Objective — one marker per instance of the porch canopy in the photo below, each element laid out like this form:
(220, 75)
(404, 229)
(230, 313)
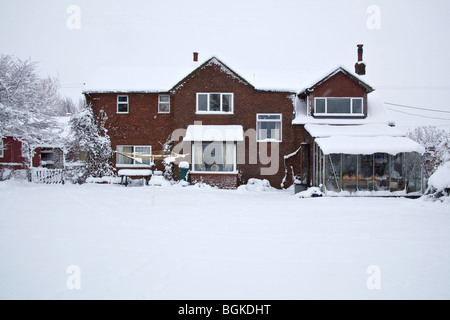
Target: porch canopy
(362, 139)
(220, 133)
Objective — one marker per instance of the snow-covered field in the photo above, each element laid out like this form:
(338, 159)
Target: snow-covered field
(203, 243)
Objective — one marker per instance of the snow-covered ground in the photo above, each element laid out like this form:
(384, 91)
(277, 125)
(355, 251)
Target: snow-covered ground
(203, 243)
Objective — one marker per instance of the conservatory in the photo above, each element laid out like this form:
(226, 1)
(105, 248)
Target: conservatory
(388, 164)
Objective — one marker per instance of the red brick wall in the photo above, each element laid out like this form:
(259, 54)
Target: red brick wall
(248, 102)
(144, 126)
(36, 158)
(12, 153)
(340, 86)
(223, 181)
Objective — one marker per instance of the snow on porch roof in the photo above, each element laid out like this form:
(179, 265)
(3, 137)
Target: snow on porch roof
(214, 133)
(363, 130)
(368, 145)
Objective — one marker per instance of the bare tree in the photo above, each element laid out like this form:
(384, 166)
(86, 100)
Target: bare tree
(26, 101)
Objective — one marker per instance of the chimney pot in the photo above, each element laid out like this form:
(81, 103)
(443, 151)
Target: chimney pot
(360, 66)
(195, 56)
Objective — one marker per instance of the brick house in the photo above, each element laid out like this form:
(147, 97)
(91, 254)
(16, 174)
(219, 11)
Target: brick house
(217, 98)
(232, 131)
(17, 154)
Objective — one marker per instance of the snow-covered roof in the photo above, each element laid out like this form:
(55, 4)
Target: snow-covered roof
(362, 139)
(164, 79)
(363, 130)
(368, 145)
(214, 133)
(376, 113)
(156, 79)
(339, 69)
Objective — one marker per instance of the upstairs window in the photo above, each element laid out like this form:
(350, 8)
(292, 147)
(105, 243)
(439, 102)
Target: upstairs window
(268, 127)
(164, 104)
(122, 104)
(219, 103)
(1, 148)
(338, 107)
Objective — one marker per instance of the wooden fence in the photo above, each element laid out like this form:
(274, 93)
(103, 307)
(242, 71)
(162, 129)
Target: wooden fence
(49, 176)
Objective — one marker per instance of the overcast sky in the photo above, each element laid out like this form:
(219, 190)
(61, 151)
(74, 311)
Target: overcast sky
(285, 42)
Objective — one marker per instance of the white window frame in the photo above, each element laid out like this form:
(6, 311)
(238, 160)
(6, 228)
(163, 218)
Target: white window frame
(269, 120)
(134, 164)
(234, 171)
(351, 114)
(2, 154)
(127, 103)
(163, 103)
(221, 100)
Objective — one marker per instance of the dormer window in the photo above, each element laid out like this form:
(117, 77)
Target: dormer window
(338, 107)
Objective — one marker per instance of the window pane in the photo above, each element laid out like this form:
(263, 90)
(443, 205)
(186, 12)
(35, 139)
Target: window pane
(122, 159)
(202, 102)
(381, 171)
(357, 106)
(214, 102)
(164, 98)
(122, 107)
(333, 172)
(349, 172)
(213, 156)
(397, 181)
(320, 105)
(338, 105)
(122, 99)
(164, 107)
(365, 173)
(143, 155)
(269, 130)
(226, 103)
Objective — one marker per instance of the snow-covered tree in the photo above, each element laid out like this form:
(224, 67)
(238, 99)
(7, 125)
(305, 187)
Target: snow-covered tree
(89, 136)
(437, 147)
(27, 101)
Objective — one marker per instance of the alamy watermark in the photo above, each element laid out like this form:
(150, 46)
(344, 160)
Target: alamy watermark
(73, 21)
(374, 280)
(373, 22)
(73, 281)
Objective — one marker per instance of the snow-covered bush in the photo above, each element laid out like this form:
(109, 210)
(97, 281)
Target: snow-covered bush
(437, 147)
(439, 184)
(89, 136)
(168, 168)
(310, 193)
(256, 185)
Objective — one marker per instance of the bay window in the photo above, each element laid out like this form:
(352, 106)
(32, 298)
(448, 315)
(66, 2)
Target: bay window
(214, 157)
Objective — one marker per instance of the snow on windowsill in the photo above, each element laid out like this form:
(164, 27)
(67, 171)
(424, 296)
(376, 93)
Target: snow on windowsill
(214, 172)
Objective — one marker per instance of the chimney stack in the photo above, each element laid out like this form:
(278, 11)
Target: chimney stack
(195, 56)
(360, 66)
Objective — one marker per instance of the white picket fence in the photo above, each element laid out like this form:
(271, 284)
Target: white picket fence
(49, 176)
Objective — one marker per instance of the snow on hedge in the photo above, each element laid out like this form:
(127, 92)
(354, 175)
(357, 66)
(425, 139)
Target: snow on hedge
(256, 185)
(440, 179)
(439, 184)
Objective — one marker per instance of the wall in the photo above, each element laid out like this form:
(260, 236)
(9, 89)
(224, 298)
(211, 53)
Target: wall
(12, 154)
(144, 126)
